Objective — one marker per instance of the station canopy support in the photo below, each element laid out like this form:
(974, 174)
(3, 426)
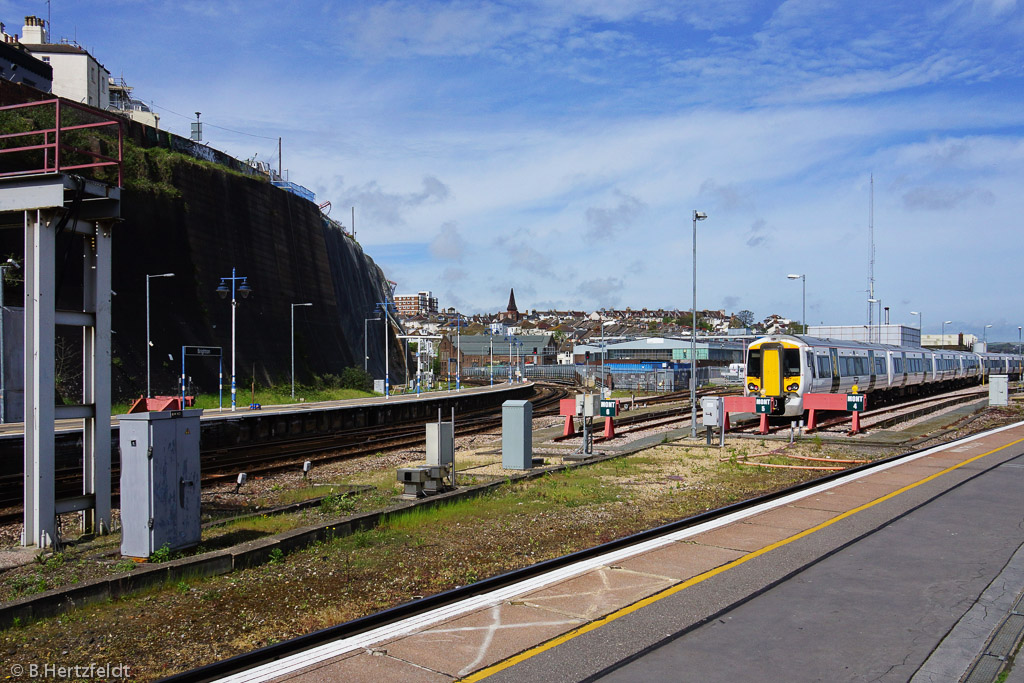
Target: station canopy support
(48, 206)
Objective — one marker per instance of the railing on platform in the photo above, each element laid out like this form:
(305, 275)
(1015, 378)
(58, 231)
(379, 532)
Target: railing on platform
(57, 153)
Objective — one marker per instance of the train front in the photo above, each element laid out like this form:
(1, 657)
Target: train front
(774, 371)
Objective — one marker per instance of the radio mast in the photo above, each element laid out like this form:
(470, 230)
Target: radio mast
(871, 240)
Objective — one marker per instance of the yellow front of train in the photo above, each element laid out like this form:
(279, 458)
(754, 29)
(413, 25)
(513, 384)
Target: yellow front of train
(773, 371)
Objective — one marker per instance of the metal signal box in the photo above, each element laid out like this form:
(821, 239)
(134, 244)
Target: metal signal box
(998, 390)
(440, 443)
(714, 411)
(589, 404)
(159, 481)
(517, 435)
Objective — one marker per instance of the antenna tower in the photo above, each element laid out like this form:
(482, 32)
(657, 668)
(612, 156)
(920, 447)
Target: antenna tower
(871, 239)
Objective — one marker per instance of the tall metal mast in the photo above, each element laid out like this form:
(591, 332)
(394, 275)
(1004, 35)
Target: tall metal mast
(871, 239)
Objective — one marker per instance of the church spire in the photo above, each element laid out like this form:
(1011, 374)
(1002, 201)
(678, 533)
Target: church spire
(512, 301)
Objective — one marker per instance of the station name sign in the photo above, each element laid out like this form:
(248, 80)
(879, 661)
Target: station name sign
(213, 351)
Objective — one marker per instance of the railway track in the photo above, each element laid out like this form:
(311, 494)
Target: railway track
(223, 464)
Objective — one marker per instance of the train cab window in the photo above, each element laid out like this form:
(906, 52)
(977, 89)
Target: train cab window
(754, 363)
(791, 362)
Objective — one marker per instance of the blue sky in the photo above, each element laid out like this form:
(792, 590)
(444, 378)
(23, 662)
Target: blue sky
(559, 147)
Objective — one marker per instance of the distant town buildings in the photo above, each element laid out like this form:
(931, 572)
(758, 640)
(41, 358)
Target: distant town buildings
(421, 303)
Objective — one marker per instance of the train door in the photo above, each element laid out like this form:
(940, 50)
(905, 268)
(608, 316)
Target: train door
(833, 354)
(771, 369)
(871, 370)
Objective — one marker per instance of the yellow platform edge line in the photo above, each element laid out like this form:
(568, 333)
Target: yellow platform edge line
(699, 578)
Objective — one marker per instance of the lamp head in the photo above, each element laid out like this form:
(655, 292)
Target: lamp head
(914, 313)
(699, 215)
(947, 322)
(793, 276)
(222, 290)
(244, 289)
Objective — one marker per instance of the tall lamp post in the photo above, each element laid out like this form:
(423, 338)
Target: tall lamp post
(984, 336)
(509, 338)
(602, 358)
(803, 277)
(1018, 339)
(490, 338)
(366, 352)
(920, 326)
(942, 337)
(149, 342)
(244, 289)
(697, 216)
(11, 263)
(293, 345)
(384, 306)
(458, 351)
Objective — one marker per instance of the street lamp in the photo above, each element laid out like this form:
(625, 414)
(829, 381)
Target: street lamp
(223, 290)
(697, 216)
(11, 263)
(1018, 339)
(149, 342)
(293, 346)
(458, 352)
(804, 314)
(490, 338)
(878, 325)
(383, 307)
(984, 336)
(942, 336)
(920, 326)
(509, 338)
(602, 358)
(366, 352)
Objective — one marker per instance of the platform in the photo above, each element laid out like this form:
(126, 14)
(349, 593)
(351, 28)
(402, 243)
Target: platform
(901, 571)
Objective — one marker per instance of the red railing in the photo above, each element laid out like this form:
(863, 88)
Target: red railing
(55, 151)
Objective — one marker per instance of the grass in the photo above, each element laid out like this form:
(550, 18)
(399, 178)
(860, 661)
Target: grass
(265, 397)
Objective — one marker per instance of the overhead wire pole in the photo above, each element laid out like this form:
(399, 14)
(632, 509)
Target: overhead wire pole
(244, 290)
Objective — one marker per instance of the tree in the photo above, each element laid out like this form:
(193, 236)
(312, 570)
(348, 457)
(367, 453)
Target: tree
(745, 318)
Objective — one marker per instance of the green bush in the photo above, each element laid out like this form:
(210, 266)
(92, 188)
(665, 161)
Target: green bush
(356, 378)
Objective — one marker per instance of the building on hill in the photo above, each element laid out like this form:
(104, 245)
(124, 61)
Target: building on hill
(421, 303)
(19, 66)
(77, 75)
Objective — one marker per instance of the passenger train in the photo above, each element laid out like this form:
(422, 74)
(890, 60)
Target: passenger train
(789, 366)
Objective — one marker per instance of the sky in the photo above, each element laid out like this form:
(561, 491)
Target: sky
(560, 147)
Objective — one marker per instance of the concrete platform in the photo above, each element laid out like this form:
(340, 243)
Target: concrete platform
(855, 580)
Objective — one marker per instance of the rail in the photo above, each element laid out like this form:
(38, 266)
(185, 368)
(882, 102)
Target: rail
(58, 154)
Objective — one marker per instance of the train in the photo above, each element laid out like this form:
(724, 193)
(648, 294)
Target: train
(788, 366)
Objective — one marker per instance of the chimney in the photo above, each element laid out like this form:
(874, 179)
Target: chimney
(34, 32)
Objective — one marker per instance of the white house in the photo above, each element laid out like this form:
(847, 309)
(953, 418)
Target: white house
(77, 75)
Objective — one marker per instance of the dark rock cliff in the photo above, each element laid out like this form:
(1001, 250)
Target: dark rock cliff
(213, 221)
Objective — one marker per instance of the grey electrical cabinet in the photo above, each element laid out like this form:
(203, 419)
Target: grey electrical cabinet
(440, 443)
(517, 435)
(998, 390)
(159, 481)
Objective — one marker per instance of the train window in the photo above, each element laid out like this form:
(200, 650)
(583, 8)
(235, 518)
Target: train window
(824, 366)
(810, 363)
(754, 363)
(791, 362)
(879, 366)
(862, 366)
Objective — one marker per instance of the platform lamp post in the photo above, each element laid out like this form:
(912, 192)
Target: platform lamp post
(293, 345)
(697, 216)
(223, 290)
(602, 358)
(149, 342)
(366, 352)
(383, 306)
(10, 263)
(458, 352)
(490, 338)
(920, 326)
(509, 338)
(942, 336)
(1019, 328)
(984, 337)
(803, 277)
